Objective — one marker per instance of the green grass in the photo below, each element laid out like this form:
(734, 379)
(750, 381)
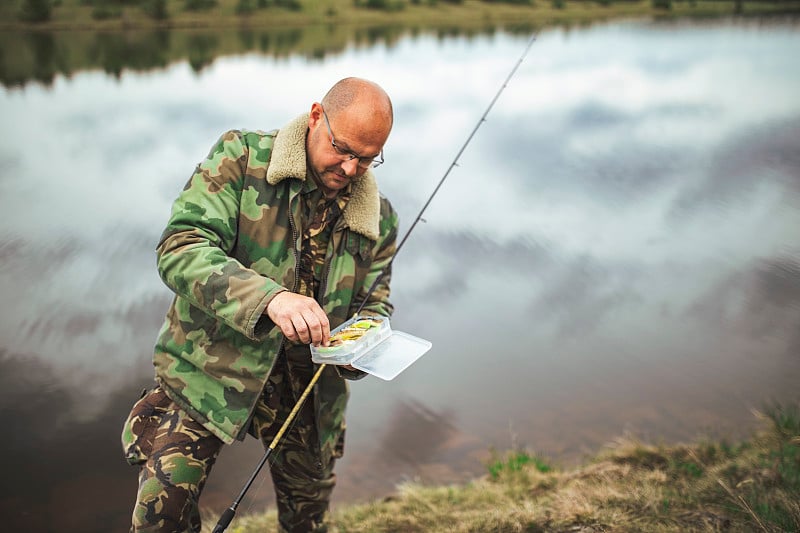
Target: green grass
(753, 485)
(516, 462)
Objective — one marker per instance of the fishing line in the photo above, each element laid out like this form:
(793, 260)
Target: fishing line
(230, 512)
(453, 164)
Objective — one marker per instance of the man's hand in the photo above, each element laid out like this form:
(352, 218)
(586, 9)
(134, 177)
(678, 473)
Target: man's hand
(300, 318)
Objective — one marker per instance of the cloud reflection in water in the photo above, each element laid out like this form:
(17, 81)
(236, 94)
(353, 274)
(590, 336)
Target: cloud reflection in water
(617, 246)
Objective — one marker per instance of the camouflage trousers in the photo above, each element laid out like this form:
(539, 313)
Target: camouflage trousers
(176, 455)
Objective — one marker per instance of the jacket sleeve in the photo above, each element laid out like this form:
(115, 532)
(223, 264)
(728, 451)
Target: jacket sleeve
(193, 251)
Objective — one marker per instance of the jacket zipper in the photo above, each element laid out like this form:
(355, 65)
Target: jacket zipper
(323, 286)
(296, 254)
(294, 248)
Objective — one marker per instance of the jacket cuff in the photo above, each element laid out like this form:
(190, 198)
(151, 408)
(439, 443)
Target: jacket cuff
(264, 323)
(351, 375)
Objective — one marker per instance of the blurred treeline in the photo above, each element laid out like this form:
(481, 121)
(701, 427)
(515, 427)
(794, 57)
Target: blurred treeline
(41, 39)
(168, 13)
(39, 56)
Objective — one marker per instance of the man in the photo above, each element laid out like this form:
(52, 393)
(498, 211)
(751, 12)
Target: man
(274, 241)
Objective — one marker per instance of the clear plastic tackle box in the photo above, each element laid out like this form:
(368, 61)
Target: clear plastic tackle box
(368, 343)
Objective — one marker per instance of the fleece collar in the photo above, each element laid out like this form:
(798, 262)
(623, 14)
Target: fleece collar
(362, 213)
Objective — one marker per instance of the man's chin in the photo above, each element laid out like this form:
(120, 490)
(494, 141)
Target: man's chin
(336, 182)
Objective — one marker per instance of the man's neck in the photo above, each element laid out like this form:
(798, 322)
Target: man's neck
(327, 193)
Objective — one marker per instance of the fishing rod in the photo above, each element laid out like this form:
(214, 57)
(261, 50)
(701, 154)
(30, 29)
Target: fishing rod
(230, 512)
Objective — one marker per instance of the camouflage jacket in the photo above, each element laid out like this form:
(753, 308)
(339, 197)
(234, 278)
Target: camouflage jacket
(231, 244)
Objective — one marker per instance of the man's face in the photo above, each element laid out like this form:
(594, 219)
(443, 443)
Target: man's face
(354, 133)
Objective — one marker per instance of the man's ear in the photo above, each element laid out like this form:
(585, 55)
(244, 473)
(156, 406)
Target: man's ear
(315, 115)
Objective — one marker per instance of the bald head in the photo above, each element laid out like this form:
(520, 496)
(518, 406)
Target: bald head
(347, 132)
(360, 95)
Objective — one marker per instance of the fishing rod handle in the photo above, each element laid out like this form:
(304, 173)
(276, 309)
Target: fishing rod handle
(226, 517)
(297, 407)
(224, 520)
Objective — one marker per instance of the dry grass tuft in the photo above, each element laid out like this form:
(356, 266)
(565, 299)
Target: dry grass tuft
(704, 487)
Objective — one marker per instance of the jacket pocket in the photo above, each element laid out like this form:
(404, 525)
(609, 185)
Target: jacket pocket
(359, 247)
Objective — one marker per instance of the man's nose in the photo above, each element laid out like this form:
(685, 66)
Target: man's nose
(350, 167)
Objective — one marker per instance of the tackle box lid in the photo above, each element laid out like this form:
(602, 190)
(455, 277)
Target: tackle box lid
(393, 355)
(369, 344)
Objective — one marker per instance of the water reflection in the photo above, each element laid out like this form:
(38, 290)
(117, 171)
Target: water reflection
(115, 52)
(617, 249)
(59, 470)
(40, 56)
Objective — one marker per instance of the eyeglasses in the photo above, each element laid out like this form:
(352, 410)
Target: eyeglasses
(347, 155)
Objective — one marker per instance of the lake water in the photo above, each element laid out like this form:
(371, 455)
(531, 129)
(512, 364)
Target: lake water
(617, 252)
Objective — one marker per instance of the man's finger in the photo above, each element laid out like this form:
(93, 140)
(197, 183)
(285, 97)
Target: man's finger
(326, 325)
(314, 327)
(326, 331)
(301, 328)
(318, 324)
(287, 328)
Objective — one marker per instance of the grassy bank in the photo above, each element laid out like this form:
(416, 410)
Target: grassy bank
(707, 486)
(138, 14)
